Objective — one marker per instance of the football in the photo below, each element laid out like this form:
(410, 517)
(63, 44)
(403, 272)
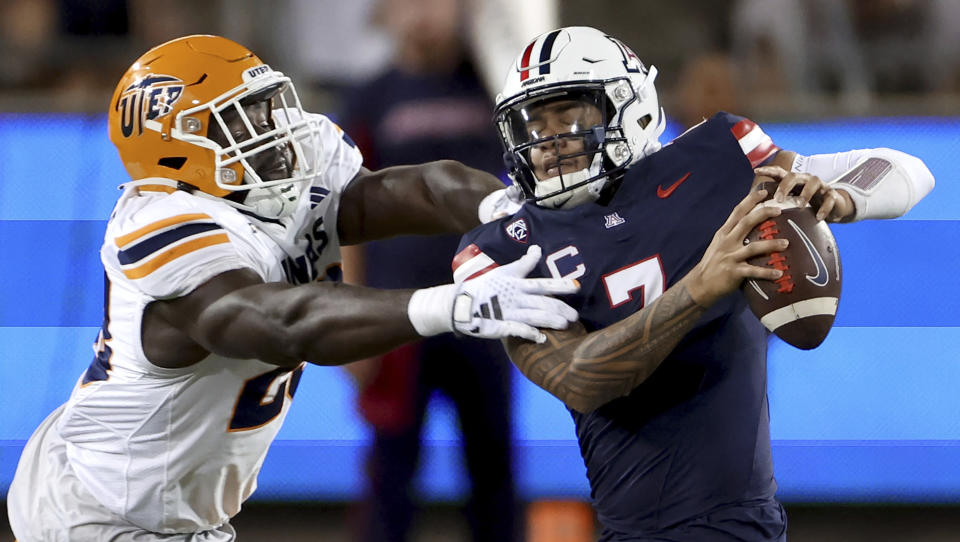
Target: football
(800, 306)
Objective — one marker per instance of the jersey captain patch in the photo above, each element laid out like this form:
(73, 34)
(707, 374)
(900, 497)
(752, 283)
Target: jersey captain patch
(150, 247)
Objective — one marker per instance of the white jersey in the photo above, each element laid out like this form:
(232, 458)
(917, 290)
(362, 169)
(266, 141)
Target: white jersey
(179, 450)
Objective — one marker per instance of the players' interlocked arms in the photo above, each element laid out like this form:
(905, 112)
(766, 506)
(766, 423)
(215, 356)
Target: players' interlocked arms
(221, 260)
(665, 372)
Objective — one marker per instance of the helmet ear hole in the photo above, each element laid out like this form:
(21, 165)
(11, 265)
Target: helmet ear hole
(644, 120)
(172, 162)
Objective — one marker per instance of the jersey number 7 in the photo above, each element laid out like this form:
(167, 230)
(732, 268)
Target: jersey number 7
(646, 275)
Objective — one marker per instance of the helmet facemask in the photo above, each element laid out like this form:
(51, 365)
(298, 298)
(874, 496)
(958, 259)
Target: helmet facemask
(264, 145)
(557, 142)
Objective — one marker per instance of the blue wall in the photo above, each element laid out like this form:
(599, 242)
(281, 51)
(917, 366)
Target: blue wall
(872, 415)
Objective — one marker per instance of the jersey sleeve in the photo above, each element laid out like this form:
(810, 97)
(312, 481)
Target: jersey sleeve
(340, 159)
(756, 145)
(168, 251)
(483, 249)
(471, 262)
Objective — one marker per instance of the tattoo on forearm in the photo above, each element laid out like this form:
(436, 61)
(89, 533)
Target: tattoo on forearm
(588, 370)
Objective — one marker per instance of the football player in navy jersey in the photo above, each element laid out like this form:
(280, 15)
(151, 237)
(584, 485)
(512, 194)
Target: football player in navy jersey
(665, 374)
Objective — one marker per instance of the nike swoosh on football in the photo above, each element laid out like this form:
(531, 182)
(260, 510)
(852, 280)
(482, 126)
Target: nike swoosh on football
(822, 276)
(664, 194)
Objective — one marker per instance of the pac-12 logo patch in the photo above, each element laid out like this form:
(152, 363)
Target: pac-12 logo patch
(517, 230)
(149, 98)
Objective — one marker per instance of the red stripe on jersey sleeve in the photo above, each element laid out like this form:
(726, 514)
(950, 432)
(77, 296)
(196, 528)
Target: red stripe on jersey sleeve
(742, 128)
(490, 267)
(464, 255)
(762, 152)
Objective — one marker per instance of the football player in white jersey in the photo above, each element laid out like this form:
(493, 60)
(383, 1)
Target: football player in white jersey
(221, 259)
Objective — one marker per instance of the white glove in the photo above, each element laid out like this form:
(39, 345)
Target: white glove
(497, 304)
(500, 203)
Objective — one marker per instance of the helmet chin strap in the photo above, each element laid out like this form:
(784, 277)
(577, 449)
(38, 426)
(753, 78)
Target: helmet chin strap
(275, 201)
(576, 196)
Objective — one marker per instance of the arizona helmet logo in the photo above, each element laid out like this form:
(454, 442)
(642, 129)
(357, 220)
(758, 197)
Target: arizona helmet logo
(630, 60)
(517, 230)
(147, 99)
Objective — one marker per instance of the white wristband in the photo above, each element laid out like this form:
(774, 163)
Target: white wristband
(431, 309)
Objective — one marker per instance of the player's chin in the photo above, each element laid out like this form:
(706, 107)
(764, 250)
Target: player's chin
(564, 168)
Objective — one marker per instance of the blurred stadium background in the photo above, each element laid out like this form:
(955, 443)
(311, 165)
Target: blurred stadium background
(866, 428)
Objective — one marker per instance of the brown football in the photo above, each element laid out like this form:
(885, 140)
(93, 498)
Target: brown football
(800, 306)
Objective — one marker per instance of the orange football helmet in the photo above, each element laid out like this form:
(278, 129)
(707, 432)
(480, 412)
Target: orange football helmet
(163, 108)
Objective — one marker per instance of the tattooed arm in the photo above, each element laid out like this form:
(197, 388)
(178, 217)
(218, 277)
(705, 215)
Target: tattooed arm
(588, 370)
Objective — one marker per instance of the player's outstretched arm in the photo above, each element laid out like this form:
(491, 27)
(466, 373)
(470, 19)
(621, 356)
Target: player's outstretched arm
(237, 315)
(435, 197)
(588, 370)
(853, 185)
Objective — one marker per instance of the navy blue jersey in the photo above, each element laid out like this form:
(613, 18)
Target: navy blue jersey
(694, 437)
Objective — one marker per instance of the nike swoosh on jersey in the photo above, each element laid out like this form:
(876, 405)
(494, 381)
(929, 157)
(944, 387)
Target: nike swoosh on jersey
(665, 193)
(822, 276)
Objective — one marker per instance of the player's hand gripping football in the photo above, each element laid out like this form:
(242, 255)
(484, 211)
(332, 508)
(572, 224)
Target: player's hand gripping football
(830, 204)
(724, 264)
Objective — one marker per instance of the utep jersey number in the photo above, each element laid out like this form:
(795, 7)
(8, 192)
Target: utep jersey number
(260, 400)
(99, 368)
(646, 275)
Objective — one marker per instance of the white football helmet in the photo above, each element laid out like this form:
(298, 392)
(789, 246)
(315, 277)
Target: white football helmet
(578, 107)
